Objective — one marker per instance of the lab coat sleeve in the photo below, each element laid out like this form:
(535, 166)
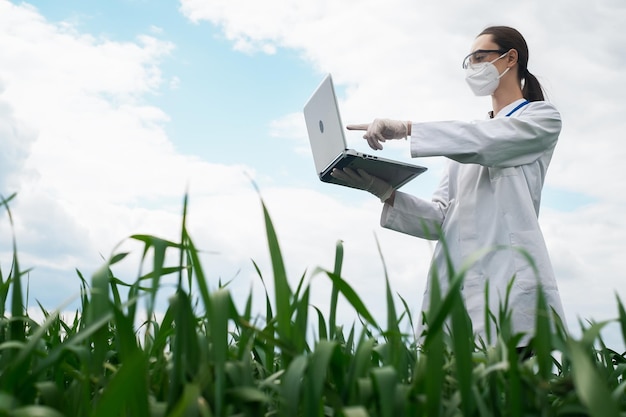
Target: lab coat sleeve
(501, 142)
(415, 216)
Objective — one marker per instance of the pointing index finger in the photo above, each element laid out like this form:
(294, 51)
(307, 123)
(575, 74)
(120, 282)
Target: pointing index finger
(362, 126)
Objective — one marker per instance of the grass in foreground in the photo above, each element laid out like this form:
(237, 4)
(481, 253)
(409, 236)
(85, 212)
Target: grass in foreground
(209, 357)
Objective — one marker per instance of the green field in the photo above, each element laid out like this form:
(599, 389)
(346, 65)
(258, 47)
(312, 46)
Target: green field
(207, 356)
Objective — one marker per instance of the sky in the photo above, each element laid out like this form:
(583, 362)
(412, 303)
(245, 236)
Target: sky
(111, 112)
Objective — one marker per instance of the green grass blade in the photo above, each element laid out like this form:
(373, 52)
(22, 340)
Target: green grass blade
(221, 308)
(351, 296)
(334, 297)
(185, 352)
(444, 307)
(245, 336)
(591, 389)
(5, 285)
(543, 336)
(159, 247)
(269, 346)
(4, 293)
(317, 369)
(126, 340)
(434, 351)
(322, 330)
(592, 333)
(188, 403)
(17, 329)
(201, 281)
(35, 339)
(281, 285)
(99, 307)
(396, 350)
(488, 314)
(622, 317)
(162, 333)
(35, 411)
(250, 396)
(354, 411)
(127, 390)
(359, 368)
(385, 382)
(291, 386)
(514, 400)
(407, 312)
(299, 333)
(463, 345)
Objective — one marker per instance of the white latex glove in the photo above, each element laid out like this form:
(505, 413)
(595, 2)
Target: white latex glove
(381, 130)
(363, 181)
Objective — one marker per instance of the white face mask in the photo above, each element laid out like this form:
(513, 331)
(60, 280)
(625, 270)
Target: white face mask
(484, 78)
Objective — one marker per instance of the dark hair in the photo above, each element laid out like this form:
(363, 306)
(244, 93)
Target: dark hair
(508, 38)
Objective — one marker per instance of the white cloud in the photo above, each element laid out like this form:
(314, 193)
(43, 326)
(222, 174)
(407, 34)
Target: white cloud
(15, 141)
(90, 161)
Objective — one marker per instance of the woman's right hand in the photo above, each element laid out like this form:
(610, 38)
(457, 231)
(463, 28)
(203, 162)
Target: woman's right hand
(381, 130)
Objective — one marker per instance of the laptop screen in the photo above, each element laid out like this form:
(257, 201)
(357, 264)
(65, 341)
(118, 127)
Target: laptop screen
(324, 126)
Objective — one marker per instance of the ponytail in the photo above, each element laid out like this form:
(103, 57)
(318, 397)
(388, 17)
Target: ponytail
(532, 90)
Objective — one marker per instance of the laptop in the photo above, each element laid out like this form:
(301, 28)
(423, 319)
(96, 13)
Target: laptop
(328, 143)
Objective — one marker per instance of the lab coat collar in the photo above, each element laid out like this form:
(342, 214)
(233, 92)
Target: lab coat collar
(506, 109)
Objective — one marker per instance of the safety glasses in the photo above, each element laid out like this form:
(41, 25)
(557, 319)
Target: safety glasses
(479, 56)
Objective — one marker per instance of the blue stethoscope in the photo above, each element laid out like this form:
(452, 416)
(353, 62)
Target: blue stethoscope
(519, 106)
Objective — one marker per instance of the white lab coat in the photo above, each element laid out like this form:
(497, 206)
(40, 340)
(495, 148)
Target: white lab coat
(489, 196)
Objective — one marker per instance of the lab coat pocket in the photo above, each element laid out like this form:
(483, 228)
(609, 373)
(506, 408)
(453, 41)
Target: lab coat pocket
(531, 244)
(474, 287)
(497, 173)
(473, 291)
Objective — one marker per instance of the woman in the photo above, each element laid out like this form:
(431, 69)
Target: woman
(490, 194)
